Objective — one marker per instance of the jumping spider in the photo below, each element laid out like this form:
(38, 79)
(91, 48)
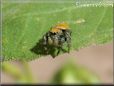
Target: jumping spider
(57, 36)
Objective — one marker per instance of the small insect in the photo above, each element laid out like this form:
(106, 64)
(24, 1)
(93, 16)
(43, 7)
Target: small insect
(57, 36)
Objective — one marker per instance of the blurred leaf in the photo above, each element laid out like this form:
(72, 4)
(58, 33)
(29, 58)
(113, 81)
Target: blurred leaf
(24, 24)
(12, 70)
(71, 74)
(16, 73)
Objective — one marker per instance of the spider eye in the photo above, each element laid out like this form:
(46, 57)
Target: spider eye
(63, 30)
(54, 33)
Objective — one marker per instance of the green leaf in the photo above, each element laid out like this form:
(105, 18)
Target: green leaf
(24, 24)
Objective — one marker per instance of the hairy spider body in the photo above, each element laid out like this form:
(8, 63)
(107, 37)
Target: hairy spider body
(57, 36)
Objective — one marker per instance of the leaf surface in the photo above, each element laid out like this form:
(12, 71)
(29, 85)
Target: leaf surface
(24, 24)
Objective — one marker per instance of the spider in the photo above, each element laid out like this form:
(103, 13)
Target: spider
(57, 36)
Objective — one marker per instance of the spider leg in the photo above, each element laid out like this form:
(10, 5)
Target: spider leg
(68, 39)
(69, 46)
(58, 51)
(60, 48)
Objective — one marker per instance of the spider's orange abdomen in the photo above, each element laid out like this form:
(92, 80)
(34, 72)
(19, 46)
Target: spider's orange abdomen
(62, 26)
(58, 27)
